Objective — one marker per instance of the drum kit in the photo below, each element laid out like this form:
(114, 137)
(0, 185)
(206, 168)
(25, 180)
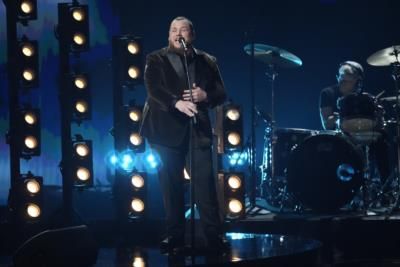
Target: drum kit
(329, 171)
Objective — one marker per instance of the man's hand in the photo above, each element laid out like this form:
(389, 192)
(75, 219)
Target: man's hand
(199, 95)
(186, 107)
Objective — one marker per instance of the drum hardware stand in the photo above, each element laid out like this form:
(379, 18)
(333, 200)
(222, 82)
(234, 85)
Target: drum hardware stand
(396, 77)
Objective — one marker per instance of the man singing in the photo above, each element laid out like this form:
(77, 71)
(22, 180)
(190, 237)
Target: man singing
(167, 115)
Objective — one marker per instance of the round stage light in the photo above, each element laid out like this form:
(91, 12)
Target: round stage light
(138, 262)
(32, 186)
(135, 139)
(234, 182)
(81, 106)
(33, 210)
(28, 50)
(82, 150)
(135, 115)
(234, 138)
(31, 142)
(28, 74)
(83, 174)
(26, 7)
(137, 181)
(30, 118)
(235, 206)
(133, 47)
(133, 72)
(137, 205)
(78, 14)
(80, 82)
(233, 114)
(79, 38)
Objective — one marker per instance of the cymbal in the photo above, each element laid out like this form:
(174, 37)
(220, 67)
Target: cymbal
(274, 56)
(385, 57)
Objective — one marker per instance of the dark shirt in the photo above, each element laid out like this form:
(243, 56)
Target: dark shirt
(329, 97)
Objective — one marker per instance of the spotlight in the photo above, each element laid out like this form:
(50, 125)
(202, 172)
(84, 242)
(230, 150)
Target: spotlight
(28, 63)
(232, 125)
(137, 205)
(33, 210)
(128, 58)
(127, 133)
(82, 162)
(234, 182)
(26, 10)
(234, 200)
(235, 206)
(238, 158)
(26, 197)
(81, 98)
(73, 26)
(29, 132)
(137, 181)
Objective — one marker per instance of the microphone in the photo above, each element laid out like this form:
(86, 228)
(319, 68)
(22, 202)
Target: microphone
(183, 43)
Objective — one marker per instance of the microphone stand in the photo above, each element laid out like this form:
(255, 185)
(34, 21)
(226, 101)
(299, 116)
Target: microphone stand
(193, 121)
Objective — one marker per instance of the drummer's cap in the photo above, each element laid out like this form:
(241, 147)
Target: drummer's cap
(350, 68)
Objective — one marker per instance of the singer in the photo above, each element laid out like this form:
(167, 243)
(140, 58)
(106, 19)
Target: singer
(166, 117)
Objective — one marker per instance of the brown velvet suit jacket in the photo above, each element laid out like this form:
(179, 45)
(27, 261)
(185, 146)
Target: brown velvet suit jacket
(165, 81)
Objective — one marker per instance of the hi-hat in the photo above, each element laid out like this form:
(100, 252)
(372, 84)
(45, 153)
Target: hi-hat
(385, 57)
(274, 56)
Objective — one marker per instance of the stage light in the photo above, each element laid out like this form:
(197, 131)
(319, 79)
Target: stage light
(186, 174)
(233, 195)
(234, 181)
(237, 158)
(137, 181)
(33, 210)
(27, 49)
(78, 14)
(79, 39)
(81, 98)
(26, 10)
(233, 114)
(235, 206)
(28, 63)
(73, 26)
(138, 262)
(82, 150)
(232, 125)
(25, 198)
(80, 81)
(29, 132)
(135, 139)
(234, 139)
(82, 162)
(135, 115)
(137, 205)
(133, 47)
(32, 186)
(128, 58)
(83, 174)
(133, 72)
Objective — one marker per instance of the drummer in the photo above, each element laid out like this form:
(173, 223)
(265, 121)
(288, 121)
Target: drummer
(350, 77)
(350, 80)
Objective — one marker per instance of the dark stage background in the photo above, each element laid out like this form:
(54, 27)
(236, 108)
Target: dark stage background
(322, 33)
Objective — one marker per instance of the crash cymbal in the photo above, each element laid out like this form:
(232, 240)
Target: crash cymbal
(274, 56)
(385, 57)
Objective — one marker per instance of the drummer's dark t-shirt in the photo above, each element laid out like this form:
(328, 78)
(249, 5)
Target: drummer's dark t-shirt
(329, 96)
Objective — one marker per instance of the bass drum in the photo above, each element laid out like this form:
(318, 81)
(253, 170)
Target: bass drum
(324, 172)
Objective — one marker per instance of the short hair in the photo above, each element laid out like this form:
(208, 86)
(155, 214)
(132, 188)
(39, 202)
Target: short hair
(351, 68)
(184, 18)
